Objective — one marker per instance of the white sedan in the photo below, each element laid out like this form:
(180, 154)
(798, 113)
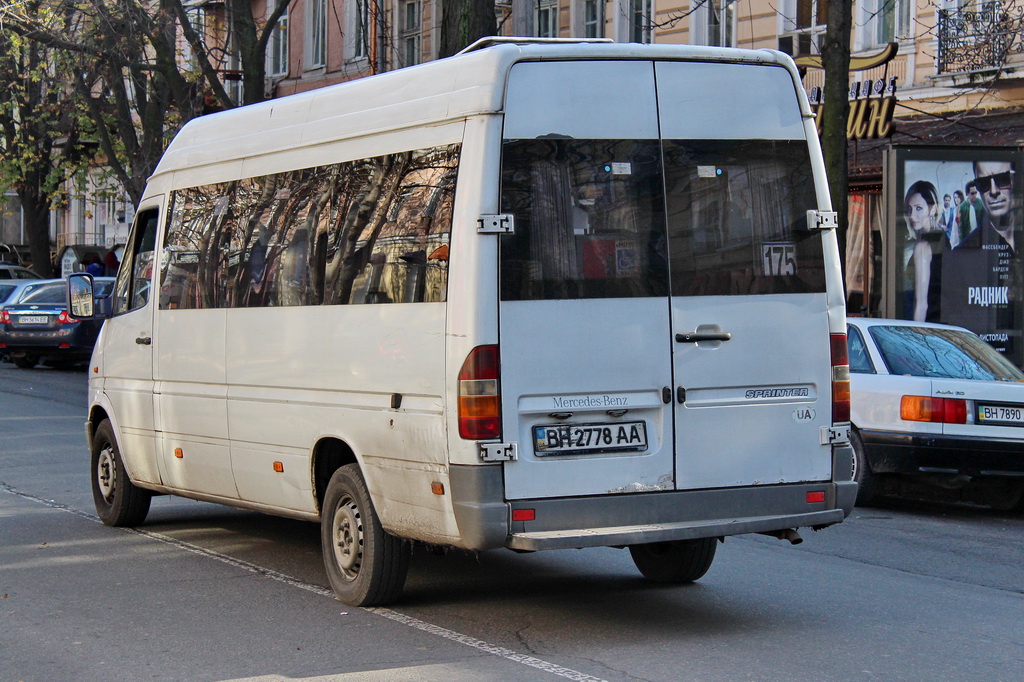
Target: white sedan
(934, 408)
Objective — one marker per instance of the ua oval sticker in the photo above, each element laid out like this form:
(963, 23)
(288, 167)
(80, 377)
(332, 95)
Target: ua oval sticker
(803, 414)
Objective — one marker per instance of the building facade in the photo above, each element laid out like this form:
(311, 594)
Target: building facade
(947, 96)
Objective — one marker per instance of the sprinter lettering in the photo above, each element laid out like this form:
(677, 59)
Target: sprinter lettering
(778, 393)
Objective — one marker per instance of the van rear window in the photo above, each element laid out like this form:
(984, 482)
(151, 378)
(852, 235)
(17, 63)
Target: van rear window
(737, 218)
(624, 218)
(589, 219)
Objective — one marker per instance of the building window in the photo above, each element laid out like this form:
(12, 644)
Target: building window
(197, 19)
(546, 19)
(593, 18)
(891, 20)
(360, 32)
(803, 25)
(233, 84)
(277, 50)
(811, 13)
(713, 22)
(640, 19)
(316, 33)
(409, 39)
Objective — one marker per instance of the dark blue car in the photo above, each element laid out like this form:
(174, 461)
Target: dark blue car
(38, 328)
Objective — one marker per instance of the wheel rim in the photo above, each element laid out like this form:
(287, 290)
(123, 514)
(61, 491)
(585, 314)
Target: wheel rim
(347, 531)
(106, 473)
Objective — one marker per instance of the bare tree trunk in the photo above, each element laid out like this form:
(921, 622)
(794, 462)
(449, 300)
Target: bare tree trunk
(835, 57)
(463, 22)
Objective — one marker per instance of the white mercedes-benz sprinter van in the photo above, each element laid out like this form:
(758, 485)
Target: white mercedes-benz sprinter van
(533, 296)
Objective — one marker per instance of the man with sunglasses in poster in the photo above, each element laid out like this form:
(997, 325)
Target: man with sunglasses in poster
(982, 275)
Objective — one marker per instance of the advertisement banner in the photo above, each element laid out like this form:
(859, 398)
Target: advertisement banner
(957, 239)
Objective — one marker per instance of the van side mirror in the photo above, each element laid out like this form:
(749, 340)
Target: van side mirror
(82, 301)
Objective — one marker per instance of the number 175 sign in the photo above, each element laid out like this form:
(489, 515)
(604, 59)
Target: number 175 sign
(779, 258)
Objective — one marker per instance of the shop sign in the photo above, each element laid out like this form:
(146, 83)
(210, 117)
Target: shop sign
(872, 104)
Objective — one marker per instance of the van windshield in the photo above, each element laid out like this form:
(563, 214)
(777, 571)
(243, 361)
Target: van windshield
(621, 218)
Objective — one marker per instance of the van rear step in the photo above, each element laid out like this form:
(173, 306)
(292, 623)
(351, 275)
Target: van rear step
(614, 536)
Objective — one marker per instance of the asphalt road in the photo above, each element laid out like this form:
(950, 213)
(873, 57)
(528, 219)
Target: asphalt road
(904, 591)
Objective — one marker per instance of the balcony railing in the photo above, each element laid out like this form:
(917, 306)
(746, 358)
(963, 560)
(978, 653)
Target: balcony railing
(79, 238)
(982, 37)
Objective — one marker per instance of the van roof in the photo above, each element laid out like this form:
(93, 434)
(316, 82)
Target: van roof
(472, 82)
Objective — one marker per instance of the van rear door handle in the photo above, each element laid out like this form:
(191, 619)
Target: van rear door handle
(144, 340)
(695, 337)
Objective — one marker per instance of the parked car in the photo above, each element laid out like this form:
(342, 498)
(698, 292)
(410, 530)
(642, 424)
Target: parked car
(13, 289)
(934, 409)
(11, 271)
(38, 328)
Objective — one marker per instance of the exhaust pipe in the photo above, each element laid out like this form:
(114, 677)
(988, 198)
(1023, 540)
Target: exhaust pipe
(785, 534)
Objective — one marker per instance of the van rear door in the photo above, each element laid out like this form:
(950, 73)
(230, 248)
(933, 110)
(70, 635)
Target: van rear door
(584, 314)
(749, 325)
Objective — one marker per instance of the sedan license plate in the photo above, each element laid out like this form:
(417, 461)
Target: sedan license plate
(572, 439)
(1008, 415)
(33, 319)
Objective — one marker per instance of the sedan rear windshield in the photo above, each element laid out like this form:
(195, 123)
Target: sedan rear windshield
(55, 292)
(942, 353)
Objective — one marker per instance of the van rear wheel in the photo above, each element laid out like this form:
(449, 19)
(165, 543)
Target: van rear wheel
(119, 502)
(366, 565)
(675, 562)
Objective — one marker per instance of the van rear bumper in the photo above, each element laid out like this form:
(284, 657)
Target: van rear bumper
(665, 532)
(484, 517)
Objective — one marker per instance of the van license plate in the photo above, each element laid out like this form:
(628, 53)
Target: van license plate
(571, 439)
(1001, 414)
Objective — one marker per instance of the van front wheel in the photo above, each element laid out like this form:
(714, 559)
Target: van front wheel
(119, 502)
(674, 562)
(366, 565)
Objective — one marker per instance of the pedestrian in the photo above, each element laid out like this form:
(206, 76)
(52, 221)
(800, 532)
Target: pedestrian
(111, 263)
(94, 266)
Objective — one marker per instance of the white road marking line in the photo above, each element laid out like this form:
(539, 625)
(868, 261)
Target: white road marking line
(390, 614)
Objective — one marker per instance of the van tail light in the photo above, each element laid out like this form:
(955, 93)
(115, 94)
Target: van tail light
(921, 408)
(64, 318)
(479, 395)
(840, 379)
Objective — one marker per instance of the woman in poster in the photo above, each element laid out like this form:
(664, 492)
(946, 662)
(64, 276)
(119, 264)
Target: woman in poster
(924, 232)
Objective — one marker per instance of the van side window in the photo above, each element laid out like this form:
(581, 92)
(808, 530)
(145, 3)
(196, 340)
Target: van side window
(132, 287)
(589, 219)
(388, 240)
(366, 231)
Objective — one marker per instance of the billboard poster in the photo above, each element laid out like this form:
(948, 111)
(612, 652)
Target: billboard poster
(956, 241)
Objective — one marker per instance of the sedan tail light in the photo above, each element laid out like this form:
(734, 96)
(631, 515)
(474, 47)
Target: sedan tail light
(840, 378)
(64, 318)
(5, 317)
(479, 396)
(920, 408)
